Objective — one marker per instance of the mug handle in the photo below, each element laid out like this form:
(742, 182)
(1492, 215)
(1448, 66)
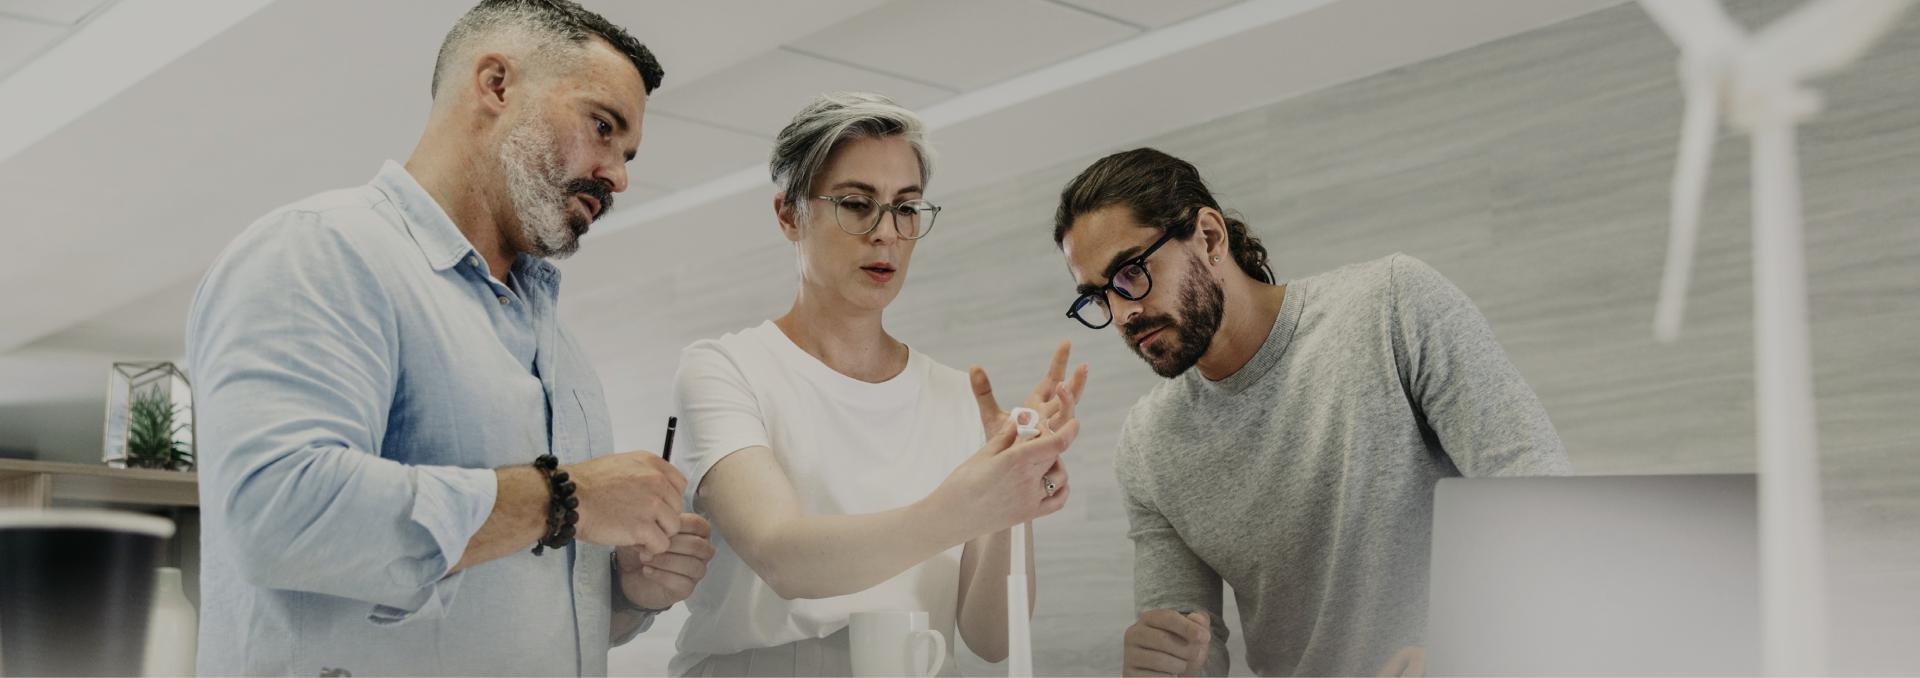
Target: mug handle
(939, 650)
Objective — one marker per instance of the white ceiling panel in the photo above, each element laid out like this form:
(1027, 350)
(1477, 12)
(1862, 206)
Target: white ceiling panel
(964, 45)
(127, 329)
(759, 96)
(1150, 13)
(56, 11)
(677, 153)
(697, 39)
(21, 41)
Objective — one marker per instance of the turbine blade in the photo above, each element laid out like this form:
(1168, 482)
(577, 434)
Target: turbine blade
(1697, 134)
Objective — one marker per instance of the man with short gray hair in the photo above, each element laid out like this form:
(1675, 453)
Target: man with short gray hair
(406, 460)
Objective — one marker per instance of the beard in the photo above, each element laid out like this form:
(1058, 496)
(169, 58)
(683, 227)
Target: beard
(1202, 304)
(540, 192)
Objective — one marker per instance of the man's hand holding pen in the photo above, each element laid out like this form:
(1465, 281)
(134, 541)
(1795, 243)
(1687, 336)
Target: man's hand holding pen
(629, 499)
(657, 579)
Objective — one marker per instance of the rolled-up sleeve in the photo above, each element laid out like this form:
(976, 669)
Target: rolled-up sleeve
(292, 346)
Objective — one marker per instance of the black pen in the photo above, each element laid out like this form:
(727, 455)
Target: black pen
(666, 449)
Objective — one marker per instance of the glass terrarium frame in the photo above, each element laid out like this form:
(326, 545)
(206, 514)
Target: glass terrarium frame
(125, 382)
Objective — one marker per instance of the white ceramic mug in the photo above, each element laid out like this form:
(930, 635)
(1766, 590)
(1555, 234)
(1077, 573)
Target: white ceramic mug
(896, 643)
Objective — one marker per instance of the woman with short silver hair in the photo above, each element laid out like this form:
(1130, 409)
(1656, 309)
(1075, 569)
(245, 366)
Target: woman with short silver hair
(842, 470)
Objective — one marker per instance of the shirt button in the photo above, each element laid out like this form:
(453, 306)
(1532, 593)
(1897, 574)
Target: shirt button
(473, 261)
(503, 300)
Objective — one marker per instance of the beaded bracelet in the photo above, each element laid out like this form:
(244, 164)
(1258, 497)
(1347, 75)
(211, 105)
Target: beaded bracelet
(562, 514)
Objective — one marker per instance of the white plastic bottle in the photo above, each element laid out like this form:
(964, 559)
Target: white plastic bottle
(173, 632)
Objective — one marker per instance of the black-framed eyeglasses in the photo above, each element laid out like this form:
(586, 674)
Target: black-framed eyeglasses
(859, 214)
(1131, 281)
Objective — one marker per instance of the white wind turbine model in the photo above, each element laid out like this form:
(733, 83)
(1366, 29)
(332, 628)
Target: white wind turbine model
(1757, 80)
(1019, 632)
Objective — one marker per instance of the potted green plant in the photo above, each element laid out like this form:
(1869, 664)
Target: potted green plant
(152, 424)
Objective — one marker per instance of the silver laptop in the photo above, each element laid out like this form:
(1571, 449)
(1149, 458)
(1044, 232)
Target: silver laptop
(1595, 575)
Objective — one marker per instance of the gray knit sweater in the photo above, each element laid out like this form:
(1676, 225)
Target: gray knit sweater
(1305, 480)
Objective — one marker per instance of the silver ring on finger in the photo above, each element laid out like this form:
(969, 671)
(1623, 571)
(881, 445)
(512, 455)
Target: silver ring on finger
(1050, 486)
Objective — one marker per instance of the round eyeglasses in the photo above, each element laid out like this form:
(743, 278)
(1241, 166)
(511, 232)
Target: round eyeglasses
(859, 214)
(1130, 280)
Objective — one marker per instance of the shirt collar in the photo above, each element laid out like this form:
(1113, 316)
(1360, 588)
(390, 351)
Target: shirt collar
(439, 239)
(436, 234)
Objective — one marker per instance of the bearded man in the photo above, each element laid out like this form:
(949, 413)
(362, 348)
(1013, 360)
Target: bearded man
(378, 370)
(1293, 449)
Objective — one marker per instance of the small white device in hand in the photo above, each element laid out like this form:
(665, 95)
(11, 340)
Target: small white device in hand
(1026, 423)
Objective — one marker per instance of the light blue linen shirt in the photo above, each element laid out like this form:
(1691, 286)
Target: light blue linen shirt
(357, 373)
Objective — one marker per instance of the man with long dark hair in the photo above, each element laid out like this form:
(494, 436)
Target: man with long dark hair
(1293, 450)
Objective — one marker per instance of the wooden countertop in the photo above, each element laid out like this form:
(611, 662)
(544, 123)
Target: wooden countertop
(38, 483)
